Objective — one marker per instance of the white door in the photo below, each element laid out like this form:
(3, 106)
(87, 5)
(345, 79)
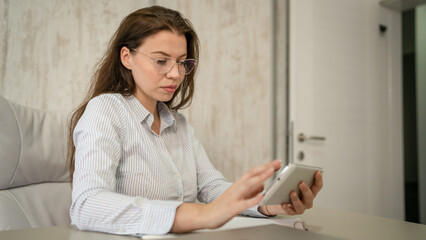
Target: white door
(345, 86)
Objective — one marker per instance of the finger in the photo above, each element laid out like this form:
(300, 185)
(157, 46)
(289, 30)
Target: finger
(258, 180)
(251, 202)
(288, 208)
(316, 187)
(297, 204)
(275, 210)
(248, 187)
(255, 171)
(307, 195)
(276, 164)
(260, 188)
(255, 190)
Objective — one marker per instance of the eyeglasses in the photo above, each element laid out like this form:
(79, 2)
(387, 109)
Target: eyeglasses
(164, 65)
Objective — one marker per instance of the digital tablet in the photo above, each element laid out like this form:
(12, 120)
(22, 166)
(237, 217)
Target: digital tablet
(287, 181)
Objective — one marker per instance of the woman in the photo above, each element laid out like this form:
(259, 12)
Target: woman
(136, 165)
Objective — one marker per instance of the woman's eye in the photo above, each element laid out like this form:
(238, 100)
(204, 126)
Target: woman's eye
(162, 61)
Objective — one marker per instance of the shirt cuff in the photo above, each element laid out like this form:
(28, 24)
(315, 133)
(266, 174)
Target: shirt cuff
(161, 217)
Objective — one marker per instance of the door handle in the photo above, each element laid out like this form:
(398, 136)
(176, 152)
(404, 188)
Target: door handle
(302, 138)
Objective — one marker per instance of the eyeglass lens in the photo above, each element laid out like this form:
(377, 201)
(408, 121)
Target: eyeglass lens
(164, 66)
(185, 67)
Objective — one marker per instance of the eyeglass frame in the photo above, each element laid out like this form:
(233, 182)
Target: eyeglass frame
(154, 60)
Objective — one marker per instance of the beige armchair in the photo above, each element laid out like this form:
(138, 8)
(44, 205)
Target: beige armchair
(34, 182)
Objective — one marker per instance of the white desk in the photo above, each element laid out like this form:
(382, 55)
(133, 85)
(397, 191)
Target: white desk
(336, 223)
(351, 225)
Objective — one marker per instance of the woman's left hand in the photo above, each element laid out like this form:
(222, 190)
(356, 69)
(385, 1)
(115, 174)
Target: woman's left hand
(297, 205)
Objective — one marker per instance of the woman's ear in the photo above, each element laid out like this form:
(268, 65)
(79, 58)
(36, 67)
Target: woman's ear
(126, 57)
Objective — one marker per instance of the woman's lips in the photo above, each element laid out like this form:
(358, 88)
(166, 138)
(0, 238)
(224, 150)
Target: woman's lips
(170, 89)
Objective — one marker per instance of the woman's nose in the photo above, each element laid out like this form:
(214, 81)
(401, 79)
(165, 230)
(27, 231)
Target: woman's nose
(174, 71)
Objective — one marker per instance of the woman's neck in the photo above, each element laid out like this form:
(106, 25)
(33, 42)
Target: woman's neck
(149, 104)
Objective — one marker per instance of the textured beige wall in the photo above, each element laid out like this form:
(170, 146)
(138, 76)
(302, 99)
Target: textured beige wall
(48, 49)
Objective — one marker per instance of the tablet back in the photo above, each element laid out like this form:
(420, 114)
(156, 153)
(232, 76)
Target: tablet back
(287, 181)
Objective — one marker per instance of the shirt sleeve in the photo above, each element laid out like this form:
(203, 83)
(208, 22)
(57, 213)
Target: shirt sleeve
(211, 182)
(95, 204)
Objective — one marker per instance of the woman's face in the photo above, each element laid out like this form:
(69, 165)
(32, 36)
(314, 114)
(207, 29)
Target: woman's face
(147, 65)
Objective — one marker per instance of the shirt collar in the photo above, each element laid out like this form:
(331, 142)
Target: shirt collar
(144, 116)
(167, 116)
(138, 109)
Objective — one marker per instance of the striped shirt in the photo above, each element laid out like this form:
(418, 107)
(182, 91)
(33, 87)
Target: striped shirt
(130, 180)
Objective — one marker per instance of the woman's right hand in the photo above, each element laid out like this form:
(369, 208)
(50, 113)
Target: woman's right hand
(245, 193)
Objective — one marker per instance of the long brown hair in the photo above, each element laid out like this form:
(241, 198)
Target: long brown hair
(112, 77)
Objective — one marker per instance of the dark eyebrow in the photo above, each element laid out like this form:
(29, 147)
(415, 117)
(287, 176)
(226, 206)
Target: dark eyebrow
(167, 55)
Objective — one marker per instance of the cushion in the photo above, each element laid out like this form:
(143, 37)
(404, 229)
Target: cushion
(34, 180)
(36, 205)
(32, 146)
